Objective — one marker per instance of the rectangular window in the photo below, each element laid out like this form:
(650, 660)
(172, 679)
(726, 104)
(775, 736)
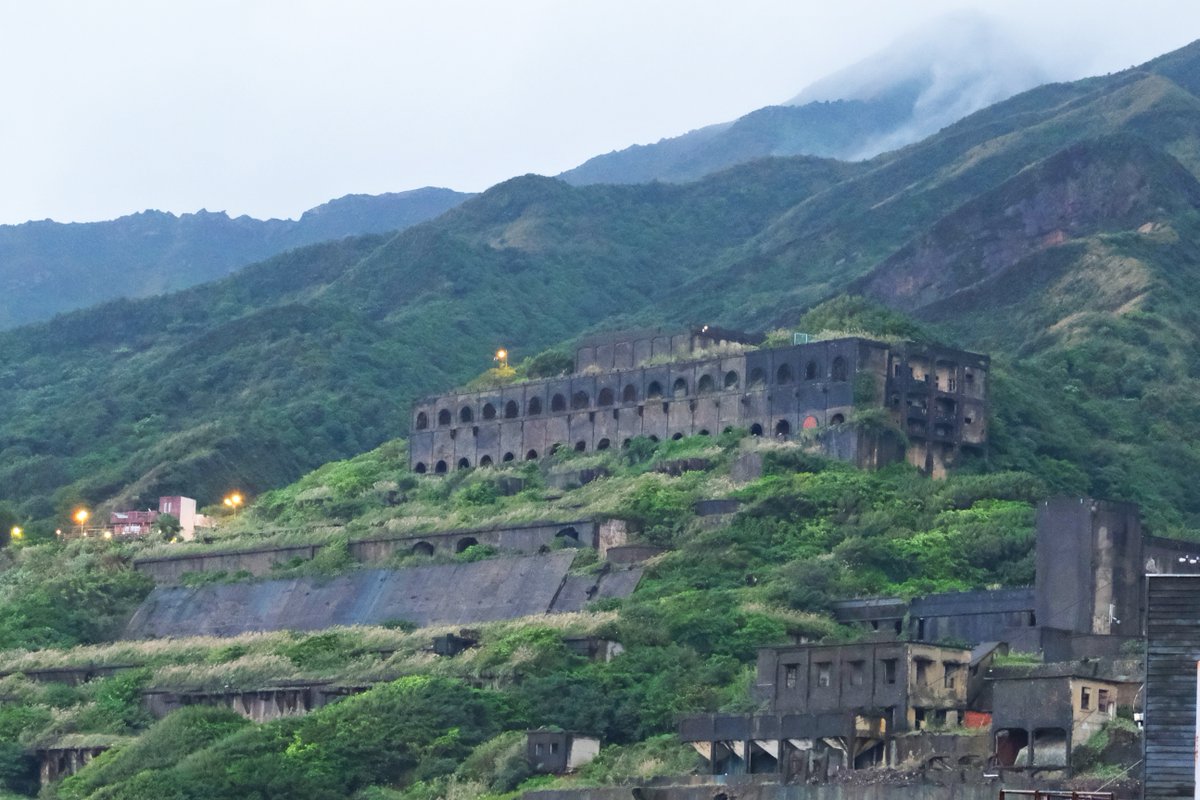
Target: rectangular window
(922, 672)
(951, 670)
(889, 670)
(857, 673)
(539, 748)
(1085, 699)
(553, 748)
(1102, 701)
(824, 673)
(789, 676)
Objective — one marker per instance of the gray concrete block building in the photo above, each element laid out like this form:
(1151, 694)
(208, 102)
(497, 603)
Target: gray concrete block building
(703, 382)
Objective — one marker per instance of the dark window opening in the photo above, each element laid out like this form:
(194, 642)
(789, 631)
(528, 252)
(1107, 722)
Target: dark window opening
(508, 457)
(839, 371)
(558, 403)
(629, 394)
(1102, 702)
(535, 406)
(464, 543)
(731, 380)
(783, 428)
(810, 371)
(706, 385)
(444, 417)
(922, 671)
(677, 437)
(783, 374)
(420, 468)
(889, 670)
(489, 411)
(465, 414)
(679, 388)
(579, 401)
(567, 533)
(486, 461)
(463, 463)
(422, 549)
(625, 444)
(666, 407)
(531, 455)
(824, 674)
(950, 674)
(1085, 699)
(758, 378)
(511, 409)
(789, 676)
(603, 444)
(837, 419)
(654, 391)
(440, 468)
(858, 673)
(580, 446)
(703, 432)
(605, 398)
(422, 421)
(1009, 744)
(756, 429)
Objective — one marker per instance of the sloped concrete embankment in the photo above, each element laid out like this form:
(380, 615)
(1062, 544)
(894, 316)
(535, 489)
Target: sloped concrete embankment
(481, 591)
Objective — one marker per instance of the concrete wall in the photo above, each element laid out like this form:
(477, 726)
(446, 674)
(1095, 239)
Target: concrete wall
(499, 588)
(526, 538)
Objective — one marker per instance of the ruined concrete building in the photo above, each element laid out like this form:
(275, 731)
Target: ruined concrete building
(835, 707)
(667, 386)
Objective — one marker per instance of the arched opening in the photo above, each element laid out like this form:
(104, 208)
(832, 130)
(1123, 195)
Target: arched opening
(580, 446)
(486, 461)
(703, 432)
(837, 419)
(511, 409)
(419, 468)
(679, 388)
(531, 455)
(422, 549)
(625, 443)
(810, 371)
(677, 437)
(705, 385)
(838, 371)
(465, 414)
(444, 417)
(554, 448)
(653, 438)
(810, 422)
(422, 421)
(756, 429)
(465, 542)
(629, 394)
(603, 444)
(1009, 744)
(783, 428)
(489, 411)
(508, 457)
(579, 400)
(558, 403)
(731, 380)
(534, 407)
(440, 468)
(654, 390)
(605, 398)
(569, 536)
(463, 463)
(783, 374)
(758, 378)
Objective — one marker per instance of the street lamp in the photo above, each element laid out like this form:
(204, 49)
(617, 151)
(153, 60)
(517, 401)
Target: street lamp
(502, 358)
(81, 517)
(16, 532)
(233, 501)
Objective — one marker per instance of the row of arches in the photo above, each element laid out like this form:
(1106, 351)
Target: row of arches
(782, 429)
(655, 390)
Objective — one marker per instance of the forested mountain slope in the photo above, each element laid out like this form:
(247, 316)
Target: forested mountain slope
(315, 354)
(48, 267)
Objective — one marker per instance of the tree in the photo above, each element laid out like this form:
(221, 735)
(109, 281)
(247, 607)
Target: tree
(167, 526)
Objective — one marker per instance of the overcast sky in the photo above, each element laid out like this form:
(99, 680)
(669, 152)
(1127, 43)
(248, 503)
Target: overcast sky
(271, 107)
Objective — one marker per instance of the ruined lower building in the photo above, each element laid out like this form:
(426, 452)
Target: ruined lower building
(1172, 686)
(832, 707)
(1042, 712)
(667, 386)
(557, 752)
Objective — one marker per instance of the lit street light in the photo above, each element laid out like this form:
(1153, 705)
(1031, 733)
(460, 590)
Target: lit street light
(81, 517)
(233, 501)
(16, 532)
(502, 358)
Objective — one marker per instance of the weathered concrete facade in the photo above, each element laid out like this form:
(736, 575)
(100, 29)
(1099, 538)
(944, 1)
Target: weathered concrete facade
(533, 537)
(834, 707)
(558, 752)
(260, 705)
(1172, 656)
(936, 395)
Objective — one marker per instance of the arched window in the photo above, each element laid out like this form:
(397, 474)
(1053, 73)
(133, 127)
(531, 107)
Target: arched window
(603, 444)
(440, 468)
(810, 422)
(444, 417)
(653, 438)
(731, 380)
(605, 398)
(465, 414)
(654, 390)
(783, 374)
(629, 394)
(534, 407)
(837, 419)
(422, 549)
(783, 428)
(838, 372)
(489, 411)
(703, 432)
(579, 401)
(580, 446)
(511, 409)
(558, 403)
(554, 448)
(758, 378)
(419, 468)
(625, 444)
(756, 429)
(465, 542)
(679, 388)
(463, 463)
(705, 385)
(508, 457)
(531, 455)
(568, 533)
(422, 421)
(486, 461)
(677, 437)
(810, 371)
